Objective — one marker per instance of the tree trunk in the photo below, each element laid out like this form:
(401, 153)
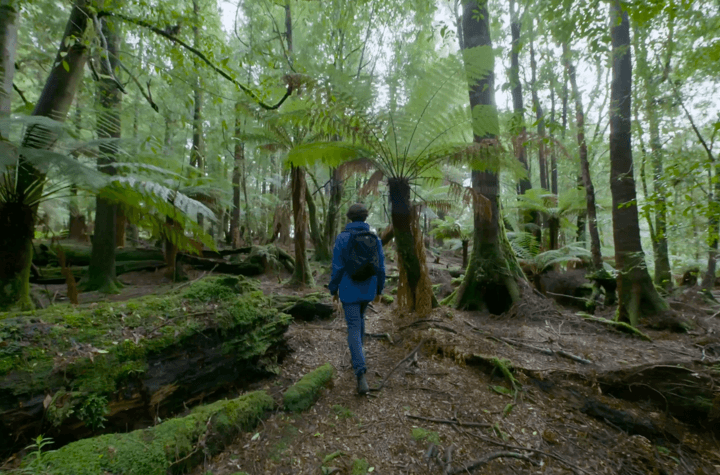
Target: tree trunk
(101, 273)
(663, 276)
(120, 225)
(315, 234)
(636, 292)
(18, 213)
(414, 287)
(708, 280)
(518, 122)
(236, 175)
(540, 118)
(584, 164)
(554, 221)
(8, 49)
(197, 152)
(302, 275)
(465, 244)
(324, 253)
(491, 279)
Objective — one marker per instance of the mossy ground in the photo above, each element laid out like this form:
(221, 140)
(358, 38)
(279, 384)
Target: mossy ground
(303, 394)
(166, 448)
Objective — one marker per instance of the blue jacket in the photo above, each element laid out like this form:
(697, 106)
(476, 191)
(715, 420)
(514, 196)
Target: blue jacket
(351, 291)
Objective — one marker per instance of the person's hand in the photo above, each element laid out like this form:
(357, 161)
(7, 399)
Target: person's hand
(336, 297)
(377, 298)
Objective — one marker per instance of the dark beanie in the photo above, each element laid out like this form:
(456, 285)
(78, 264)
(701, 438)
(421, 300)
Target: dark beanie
(357, 212)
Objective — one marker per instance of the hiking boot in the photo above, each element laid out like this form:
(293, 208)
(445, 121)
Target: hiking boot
(362, 387)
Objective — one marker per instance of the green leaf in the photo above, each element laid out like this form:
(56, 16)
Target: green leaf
(66, 66)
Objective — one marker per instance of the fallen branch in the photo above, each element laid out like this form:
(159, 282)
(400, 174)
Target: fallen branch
(418, 322)
(565, 354)
(621, 326)
(410, 355)
(448, 421)
(582, 299)
(488, 458)
(537, 451)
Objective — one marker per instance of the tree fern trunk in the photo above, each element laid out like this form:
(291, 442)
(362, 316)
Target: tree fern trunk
(401, 217)
(636, 292)
(301, 275)
(18, 213)
(324, 253)
(101, 273)
(490, 282)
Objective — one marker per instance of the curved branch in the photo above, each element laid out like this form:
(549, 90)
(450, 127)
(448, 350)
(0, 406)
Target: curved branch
(200, 55)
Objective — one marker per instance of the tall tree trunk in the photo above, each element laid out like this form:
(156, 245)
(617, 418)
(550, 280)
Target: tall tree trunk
(236, 176)
(518, 129)
(554, 221)
(17, 215)
(540, 119)
(302, 274)
(584, 164)
(8, 48)
(492, 278)
(197, 152)
(636, 292)
(663, 276)
(77, 228)
(101, 273)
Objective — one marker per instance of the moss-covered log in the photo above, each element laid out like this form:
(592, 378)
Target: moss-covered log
(305, 392)
(305, 307)
(66, 371)
(53, 275)
(174, 446)
(77, 254)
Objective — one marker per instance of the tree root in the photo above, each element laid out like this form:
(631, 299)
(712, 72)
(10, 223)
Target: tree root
(621, 326)
(448, 421)
(488, 458)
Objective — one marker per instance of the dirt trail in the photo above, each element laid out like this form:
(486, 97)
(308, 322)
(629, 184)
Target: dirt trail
(554, 424)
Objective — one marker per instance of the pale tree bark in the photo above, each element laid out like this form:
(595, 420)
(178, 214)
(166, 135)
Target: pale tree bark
(492, 278)
(101, 273)
(539, 118)
(197, 152)
(636, 292)
(554, 221)
(17, 216)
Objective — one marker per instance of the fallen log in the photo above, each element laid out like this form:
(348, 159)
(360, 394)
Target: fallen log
(53, 275)
(77, 254)
(306, 308)
(175, 446)
(67, 372)
(249, 268)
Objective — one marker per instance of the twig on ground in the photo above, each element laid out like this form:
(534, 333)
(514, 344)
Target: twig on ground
(410, 355)
(418, 322)
(190, 282)
(541, 452)
(573, 357)
(582, 299)
(448, 421)
(488, 458)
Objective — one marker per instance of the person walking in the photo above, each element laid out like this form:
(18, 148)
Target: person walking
(358, 278)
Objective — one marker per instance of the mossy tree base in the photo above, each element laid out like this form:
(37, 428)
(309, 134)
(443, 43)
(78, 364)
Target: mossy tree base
(638, 297)
(490, 284)
(16, 251)
(134, 360)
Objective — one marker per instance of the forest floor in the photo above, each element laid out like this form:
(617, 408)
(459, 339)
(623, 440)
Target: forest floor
(448, 403)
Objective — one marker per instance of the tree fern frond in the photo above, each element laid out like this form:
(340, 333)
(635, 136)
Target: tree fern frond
(372, 184)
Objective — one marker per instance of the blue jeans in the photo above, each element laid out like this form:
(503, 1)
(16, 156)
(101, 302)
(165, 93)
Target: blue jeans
(355, 318)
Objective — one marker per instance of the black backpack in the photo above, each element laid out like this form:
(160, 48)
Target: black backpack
(363, 258)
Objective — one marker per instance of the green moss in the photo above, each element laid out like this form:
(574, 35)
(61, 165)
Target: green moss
(387, 299)
(168, 447)
(360, 467)
(342, 412)
(422, 435)
(303, 394)
(98, 349)
(219, 288)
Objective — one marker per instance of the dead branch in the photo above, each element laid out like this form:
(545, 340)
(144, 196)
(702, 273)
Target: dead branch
(448, 421)
(410, 355)
(545, 351)
(488, 458)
